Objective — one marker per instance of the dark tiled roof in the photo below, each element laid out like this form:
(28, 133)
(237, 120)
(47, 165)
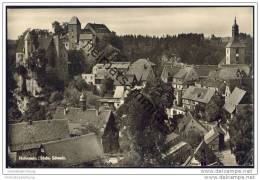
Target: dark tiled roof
(198, 94)
(186, 74)
(203, 70)
(85, 31)
(89, 117)
(23, 136)
(184, 121)
(142, 69)
(76, 150)
(212, 135)
(235, 44)
(172, 137)
(230, 71)
(169, 71)
(189, 119)
(98, 28)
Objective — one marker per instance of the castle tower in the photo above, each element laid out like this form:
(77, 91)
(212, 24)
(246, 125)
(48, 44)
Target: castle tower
(28, 46)
(74, 28)
(235, 50)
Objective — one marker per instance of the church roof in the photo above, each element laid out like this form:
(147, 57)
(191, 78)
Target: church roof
(235, 44)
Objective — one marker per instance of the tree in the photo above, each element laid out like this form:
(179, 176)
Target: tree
(35, 111)
(57, 27)
(214, 110)
(76, 59)
(143, 132)
(241, 134)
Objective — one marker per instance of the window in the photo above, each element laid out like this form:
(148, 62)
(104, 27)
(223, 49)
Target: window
(237, 55)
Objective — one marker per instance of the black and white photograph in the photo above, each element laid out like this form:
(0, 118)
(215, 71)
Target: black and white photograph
(130, 86)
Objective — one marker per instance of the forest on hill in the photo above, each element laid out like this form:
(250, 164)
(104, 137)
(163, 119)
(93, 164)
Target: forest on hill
(192, 48)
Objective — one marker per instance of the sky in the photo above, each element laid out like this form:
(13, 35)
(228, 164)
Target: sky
(143, 21)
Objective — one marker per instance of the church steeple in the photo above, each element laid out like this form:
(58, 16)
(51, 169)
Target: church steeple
(235, 30)
(235, 50)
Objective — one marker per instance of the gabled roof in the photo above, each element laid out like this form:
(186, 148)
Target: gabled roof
(231, 71)
(234, 99)
(125, 80)
(186, 74)
(169, 71)
(98, 28)
(118, 65)
(142, 69)
(74, 20)
(89, 117)
(76, 150)
(212, 134)
(23, 136)
(186, 120)
(198, 94)
(172, 137)
(235, 44)
(204, 70)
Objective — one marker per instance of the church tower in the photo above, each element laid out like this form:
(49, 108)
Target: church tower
(235, 50)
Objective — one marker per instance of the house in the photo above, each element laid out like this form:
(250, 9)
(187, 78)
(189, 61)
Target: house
(111, 70)
(26, 138)
(215, 138)
(78, 38)
(197, 96)
(98, 30)
(233, 100)
(168, 72)
(177, 154)
(83, 121)
(175, 110)
(127, 80)
(189, 124)
(86, 38)
(88, 78)
(143, 69)
(73, 151)
(121, 66)
(120, 94)
(184, 78)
